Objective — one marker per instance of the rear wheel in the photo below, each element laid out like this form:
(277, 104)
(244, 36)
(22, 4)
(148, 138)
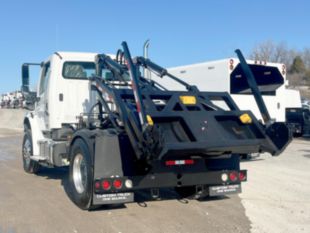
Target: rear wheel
(80, 175)
(30, 166)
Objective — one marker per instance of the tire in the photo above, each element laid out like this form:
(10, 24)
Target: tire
(30, 166)
(81, 175)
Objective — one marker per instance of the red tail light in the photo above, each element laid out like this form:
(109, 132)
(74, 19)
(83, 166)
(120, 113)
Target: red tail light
(117, 184)
(233, 176)
(170, 163)
(97, 184)
(242, 176)
(106, 185)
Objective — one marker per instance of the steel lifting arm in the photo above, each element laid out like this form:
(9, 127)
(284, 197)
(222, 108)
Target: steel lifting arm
(134, 74)
(253, 85)
(160, 71)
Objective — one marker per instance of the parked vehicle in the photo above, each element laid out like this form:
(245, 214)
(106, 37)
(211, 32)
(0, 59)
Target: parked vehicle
(227, 75)
(298, 121)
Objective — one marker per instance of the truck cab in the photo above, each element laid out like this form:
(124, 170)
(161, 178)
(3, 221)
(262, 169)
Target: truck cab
(63, 93)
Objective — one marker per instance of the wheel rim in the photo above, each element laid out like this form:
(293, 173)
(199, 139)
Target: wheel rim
(27, 151)
(79, 173)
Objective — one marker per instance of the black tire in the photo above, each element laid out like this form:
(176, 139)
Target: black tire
(81, 175)
(30, 166)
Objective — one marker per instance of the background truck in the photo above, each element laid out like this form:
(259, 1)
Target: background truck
(298, 121)
(120, 133)
(227, 75)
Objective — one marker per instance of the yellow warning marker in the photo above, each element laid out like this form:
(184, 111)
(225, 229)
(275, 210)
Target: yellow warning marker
(245, 118)
(149, 120)
(188, 100)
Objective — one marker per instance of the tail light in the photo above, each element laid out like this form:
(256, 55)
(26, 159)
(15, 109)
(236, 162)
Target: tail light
(117, 184)
(242, 176)
(106, 185)
(233, 176)
(97, 184)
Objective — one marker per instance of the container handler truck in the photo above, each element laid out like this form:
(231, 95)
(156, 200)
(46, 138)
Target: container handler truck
(120, 133)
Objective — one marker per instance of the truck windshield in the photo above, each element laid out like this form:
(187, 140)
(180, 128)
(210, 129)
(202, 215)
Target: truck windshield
(85, 70)
(78, 70)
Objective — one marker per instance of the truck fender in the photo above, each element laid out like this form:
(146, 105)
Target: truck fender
(31, 123)
(104, 147)
(88, 137)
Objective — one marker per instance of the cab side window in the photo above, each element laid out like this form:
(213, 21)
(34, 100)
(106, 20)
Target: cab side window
(44, 78)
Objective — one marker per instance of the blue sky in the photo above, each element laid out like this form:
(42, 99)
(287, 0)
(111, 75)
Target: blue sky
(181, 32)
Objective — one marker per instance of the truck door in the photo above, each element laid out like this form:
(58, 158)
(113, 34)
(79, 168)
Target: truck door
(42, 105)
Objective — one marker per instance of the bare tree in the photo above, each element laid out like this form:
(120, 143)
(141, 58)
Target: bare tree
(305, 55)
(280, 53)
(269, 51)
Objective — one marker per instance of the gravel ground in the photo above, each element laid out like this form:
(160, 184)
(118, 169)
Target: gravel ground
(36, 204)
(12, 118)
(275, 198)
(277, 194)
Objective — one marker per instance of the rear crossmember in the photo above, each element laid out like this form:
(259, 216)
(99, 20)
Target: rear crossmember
(212, 183)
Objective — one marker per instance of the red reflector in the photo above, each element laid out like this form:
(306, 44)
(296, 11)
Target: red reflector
(189, 161)
(97, 184)
(242, 176)
(117, 184)
(233, 176)
(170, 163)
(106, 185)
(179, 162)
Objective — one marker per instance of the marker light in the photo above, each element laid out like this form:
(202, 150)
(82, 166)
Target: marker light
(245, 118)
(179, 162)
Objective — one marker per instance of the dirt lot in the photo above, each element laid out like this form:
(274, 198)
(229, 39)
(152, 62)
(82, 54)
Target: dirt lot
(275, 199)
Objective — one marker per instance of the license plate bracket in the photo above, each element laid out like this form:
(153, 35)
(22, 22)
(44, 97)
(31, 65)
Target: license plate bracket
(113, 198)
(224, 189)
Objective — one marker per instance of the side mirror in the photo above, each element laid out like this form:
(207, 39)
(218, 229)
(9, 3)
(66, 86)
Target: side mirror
(25, 78)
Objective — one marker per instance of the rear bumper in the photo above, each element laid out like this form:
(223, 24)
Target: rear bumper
(212, 182)
(166, 180)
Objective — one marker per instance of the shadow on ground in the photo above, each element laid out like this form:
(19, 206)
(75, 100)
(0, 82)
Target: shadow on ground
(306, 155)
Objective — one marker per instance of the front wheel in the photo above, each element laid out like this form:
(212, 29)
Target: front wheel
(30, 166)
(80, 175)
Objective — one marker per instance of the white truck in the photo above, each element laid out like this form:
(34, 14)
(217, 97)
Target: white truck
(226, 75)
(119, 132)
